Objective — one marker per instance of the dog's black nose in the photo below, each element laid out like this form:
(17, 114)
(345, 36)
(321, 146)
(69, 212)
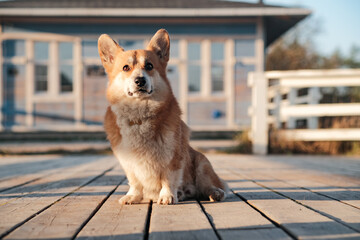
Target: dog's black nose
(140, 81)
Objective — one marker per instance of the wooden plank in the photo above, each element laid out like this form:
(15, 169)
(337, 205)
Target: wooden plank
(13, 166)
(347, 193)
(63, 219)
(27, 170)
(181, 221)
(335, 177)
(117, 221)
(335, 210)
(227, 215)
(12, 179)
(234, 219)
(332, 170)
(19, 206)
(53, 180)
(297, 219)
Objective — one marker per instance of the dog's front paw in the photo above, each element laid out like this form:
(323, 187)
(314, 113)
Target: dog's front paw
(167, 199)
(130, 199)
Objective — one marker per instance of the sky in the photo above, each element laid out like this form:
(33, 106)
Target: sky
(338, 20)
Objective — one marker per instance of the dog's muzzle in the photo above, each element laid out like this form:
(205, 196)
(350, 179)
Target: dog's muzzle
(141, 87)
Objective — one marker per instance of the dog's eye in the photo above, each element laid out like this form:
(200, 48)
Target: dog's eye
(126, 68)
(149, 67)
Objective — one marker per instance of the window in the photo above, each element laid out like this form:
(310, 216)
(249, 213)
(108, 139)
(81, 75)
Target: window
(131, 44)
(13, 48)
(173, 68)
(204, 113)
(90, 49)
(244, 52)
(217, 66)
(66, 66)
(245, 48)
(173, 76)
(41, 59)
(242, 93)
(174, 49)
(194, 67)
(13, 94)
(41, 78)
(95, 71)
(302, 92)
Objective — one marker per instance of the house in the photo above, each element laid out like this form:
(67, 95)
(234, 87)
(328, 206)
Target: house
(52, 79)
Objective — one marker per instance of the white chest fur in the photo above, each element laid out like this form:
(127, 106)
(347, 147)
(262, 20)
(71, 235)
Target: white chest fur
(141, 146)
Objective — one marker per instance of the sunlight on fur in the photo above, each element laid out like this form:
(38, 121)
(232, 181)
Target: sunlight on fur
(143, 124)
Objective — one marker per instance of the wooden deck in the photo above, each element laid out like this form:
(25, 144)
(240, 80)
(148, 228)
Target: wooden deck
(275, 197)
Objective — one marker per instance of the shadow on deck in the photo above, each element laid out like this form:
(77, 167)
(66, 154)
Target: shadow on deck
(275, 197)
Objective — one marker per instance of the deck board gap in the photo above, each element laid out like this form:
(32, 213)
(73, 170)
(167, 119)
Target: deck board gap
(98, 208)
(147, 222)
(247, 228)
(53, 203)
(287, 231)
(210, 221)
(306, 206)
(20, 185)
(315, 192)
(324, 195)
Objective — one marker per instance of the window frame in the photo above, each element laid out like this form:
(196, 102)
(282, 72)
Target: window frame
(206, 93)
(45, 62)
(52, 95)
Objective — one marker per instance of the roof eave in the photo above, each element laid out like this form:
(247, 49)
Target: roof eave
(153, 12)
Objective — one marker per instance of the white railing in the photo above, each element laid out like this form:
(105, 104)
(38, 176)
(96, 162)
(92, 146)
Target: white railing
(275, 92)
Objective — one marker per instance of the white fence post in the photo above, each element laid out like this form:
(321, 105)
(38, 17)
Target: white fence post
(291, 123)
(314, 95)
(259, 112)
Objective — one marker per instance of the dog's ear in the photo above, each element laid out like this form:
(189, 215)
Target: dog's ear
(108, 49)
(160, 45)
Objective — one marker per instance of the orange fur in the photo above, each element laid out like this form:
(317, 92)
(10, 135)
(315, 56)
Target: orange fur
(143, 124)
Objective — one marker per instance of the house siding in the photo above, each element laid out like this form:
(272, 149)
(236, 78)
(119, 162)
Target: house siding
(205, 109)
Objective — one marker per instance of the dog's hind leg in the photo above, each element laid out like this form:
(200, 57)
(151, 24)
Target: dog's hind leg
(208, 184)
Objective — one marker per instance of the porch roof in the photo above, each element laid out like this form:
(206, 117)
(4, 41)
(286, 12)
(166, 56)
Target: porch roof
(277, 19)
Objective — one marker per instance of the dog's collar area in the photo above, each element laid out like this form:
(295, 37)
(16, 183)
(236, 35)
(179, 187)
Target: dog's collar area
(132, 123)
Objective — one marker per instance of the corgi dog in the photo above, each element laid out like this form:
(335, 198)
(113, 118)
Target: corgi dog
(143, 124)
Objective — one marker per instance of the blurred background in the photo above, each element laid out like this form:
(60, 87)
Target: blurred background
(258, 77)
